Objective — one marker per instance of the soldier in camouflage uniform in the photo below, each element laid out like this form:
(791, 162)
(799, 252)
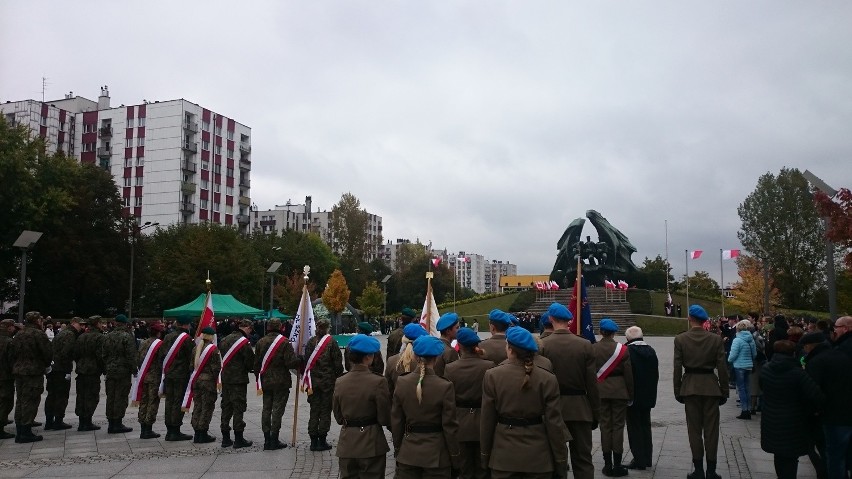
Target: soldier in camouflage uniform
(204, 388)
(326, 370)
(59, 379)
(176, 379)
(32, 355)
(150, 403)
(234, 382)
(276, 382)
(89, 354)
(120, 358)
(7, 380)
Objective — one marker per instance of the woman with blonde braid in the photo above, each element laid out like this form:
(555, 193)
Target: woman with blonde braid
(521, 417)
(403, 362)
(423, 418)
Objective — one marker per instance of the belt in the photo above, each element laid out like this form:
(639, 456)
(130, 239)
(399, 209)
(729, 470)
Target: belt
(699, 371)
(423, 428)
(571, 392)
(359, 422)
(469, 404)
(519, 421)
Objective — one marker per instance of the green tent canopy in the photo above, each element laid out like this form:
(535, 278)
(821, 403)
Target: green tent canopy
(224, 305)
(274, 314)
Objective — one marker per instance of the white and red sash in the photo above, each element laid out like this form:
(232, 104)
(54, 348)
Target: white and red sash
(170, 358)
(203, 358)
(267, 358)
(612, 363)
(232, 351)
(136, 389)
(312, 361)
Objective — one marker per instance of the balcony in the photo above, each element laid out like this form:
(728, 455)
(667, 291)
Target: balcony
(245, 182)
(105, 152)
(105, 131)
(187, 187)
(187, 207)
(189, 166)
(243, 219)
(190, 126)
(245, 164)
(245, 147)
(190, 146)
(245, 201)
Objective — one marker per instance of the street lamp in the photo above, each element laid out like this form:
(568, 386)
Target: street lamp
(26, 241)
(385, 297)
(831, 278)
(135, 229)
(272, 270)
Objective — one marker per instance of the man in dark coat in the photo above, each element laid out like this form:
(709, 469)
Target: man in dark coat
(646, 375)
(790, 398)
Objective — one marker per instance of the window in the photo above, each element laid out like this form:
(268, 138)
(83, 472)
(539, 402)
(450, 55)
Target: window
(90, 128)
(127, 201)
(130, 122)
(138, 181)
(142, 122)
(229, 172)
(140, 141)
(128, 143)
(62, 126)
(229, 190)
(217, 149)
(205, 145)
(205, 126)
(230, 154)
(138, 201)
(217, 169)
(128, 162)
(140, 161)
(203, 204)
(230, 135)
(218, 131)
(229, 209)
(205, 184)
(215, 206)
(216, 188)
(205, 165)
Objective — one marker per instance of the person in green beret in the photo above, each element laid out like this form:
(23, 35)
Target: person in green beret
(377, 366)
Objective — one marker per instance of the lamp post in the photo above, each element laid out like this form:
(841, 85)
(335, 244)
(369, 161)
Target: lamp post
(272, 270)
(830, 276)
(26, 241)
(385, 295)
(135, 229)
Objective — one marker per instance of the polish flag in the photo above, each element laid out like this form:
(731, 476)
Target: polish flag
(463, 259)
(609, 284)
(695, 254)
(730, 253)
(436, 262)
(207, 316)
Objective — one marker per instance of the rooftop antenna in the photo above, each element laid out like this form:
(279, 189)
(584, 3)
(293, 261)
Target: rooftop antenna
(43, 87)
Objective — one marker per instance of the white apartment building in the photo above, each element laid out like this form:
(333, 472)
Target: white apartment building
(496, 270)
(475, 272)
(152, 151)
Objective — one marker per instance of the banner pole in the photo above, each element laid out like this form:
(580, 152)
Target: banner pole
(579, 318)
(722, 280)
(303, 315)
(686, 258)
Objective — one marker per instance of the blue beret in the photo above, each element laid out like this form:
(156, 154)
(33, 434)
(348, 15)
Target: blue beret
(447, 321)
(512, 319)
(545, 319)
(521, 338)
(364, 344)
(498, 316)
(697, 312)
(467, 337)
(408, 312)
(413, 331)
(608, 325)
(559, 312)
(120, 318)
(428, 346)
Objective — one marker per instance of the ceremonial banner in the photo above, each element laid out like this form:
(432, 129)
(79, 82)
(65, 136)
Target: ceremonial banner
(586, 329)
(304, 328)
(429, 315)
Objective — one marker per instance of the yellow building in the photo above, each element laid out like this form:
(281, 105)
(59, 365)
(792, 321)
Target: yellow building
(521, 282)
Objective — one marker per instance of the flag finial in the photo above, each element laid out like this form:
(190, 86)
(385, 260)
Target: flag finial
(307, 271)
(208, 282)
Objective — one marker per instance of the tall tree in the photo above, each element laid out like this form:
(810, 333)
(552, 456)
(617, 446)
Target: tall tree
(780, 225)
(653, 274)
(838, 211)
(349, 228)
(749, 290)
(288, 292)
(700, 282)
(371, 300)
(335, 297)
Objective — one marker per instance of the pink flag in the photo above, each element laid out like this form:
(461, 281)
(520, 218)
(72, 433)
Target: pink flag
(730, 253)
(695, 254)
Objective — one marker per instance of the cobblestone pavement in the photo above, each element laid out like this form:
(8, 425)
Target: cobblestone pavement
(101, 455)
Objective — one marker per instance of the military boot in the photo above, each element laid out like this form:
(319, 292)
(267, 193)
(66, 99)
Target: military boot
(226, 438)
(322, 444)
(240, 441)
(174, 434)
(617, 469)
(116, 427)
(266, 441)
(607, 469)
(148, 432)
(698, 473)
(48, 422)
(59, 424)
(86, 425)
(202, 437)
(314, 440)
(4, 434)
(711, 471)
(274, 442)
(25, 435)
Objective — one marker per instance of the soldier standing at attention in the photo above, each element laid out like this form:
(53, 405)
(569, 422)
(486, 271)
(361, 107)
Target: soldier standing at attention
(573, 363)
(697, 353)
(520, 415)
(423, 418)
(59, 379)
(466, 374)
(615, 386)
(378, 365)
(89, 354)
(206, 363)
(361, 404)
(404, 361)
(395, 336)
(32, 354)
(237, 362)
(120, 360)
(7, 380)
(546, 326)
(147, 388)
(176, 358)
(324, 366)
(273, 359)
(495, 346)
(447, 325)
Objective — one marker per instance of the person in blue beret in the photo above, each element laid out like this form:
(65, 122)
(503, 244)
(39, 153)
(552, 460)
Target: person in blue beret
(615, 386)
(522, 432)
(495, 346)
(408, 316)
(378, 364)
(546, 325)
(448, 326)
(423, 417)
(361, 405)
(403, 362)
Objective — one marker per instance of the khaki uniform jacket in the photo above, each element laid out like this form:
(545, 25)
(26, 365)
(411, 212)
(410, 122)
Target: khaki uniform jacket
(210, 371)
(328, 366)
(448, 356)
(377, 367)
(431, 449)
(361, 395)
(155, 371)
(704, 350)
(467, 374)
(574, 366)
(239, 367)
(619, 384)
(5, 357)
(278, 372)
(522, 449)
(495, 348)
(539, 361)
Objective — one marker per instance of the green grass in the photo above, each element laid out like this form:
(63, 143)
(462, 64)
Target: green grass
(660, 326)
(479, 310)
(714, 308)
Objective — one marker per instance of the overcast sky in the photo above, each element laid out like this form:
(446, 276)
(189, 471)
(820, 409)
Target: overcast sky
(484, 126)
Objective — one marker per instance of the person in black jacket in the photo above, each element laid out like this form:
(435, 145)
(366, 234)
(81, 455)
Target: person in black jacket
(646, 375)
(790, 399)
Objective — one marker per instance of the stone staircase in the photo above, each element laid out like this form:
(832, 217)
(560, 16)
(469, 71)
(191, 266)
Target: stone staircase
(603, 303)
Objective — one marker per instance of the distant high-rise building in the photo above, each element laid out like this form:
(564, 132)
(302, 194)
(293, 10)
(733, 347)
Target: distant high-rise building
(475, 272)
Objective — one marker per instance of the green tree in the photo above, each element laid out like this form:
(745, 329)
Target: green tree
(701, 283)
(780, 225)
(349, 227)
(288, 292)
(371, 300)
(410, 282)
(653, 274)
(335, 297)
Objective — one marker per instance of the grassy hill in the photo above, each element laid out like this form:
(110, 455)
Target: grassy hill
(714, 308)
(479, 310)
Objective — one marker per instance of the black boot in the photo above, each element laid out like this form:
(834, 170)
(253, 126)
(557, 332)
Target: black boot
(698, 473)
(711, 471)
(25, 435)
(86, 425)
(322, 444)
(240, 441)
(274, 442)
(636, 464)
(4, 434)
(226, 438)
(266, 441)
(174, 434)
(617, 469)
(314, 440)
(744, 415)
(202, 437)
(59, 424)
(117, 427)
(48, 422)
(607, 469)
(148, 432)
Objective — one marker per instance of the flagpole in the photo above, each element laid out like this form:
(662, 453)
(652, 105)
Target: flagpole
(722, 280)
(579, 318)
(429, 275)
(204, 308)
(303, 314)
(686, 257)
(667, 258)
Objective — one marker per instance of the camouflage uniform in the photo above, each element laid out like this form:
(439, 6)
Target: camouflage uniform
(150, 403)
(276, 381)
(204, 391)
(119, 352)
(177, 378)
(88, 352)
(32, 355)
(326, 370)
(58, 387)
(234, 382)
(7, 381)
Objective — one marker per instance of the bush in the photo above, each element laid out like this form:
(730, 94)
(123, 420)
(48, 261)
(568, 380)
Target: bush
(524, 300)
(640, 301)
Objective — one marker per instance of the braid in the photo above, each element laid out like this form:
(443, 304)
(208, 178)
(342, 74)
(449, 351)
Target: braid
(525, 357)
(406, 357)
(420, 381)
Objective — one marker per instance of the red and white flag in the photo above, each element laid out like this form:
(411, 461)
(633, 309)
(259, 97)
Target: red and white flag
(304, 324)
(609, 284)
(730, 253)
(695, 254)
(622, 285)
(463, 259)
(207, 316)
(436, 262)
(429, 315)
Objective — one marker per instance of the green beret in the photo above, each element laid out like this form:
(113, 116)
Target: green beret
(409, 312)
(365, 327)
(208, 330)
(184, 320)
(120, 318)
